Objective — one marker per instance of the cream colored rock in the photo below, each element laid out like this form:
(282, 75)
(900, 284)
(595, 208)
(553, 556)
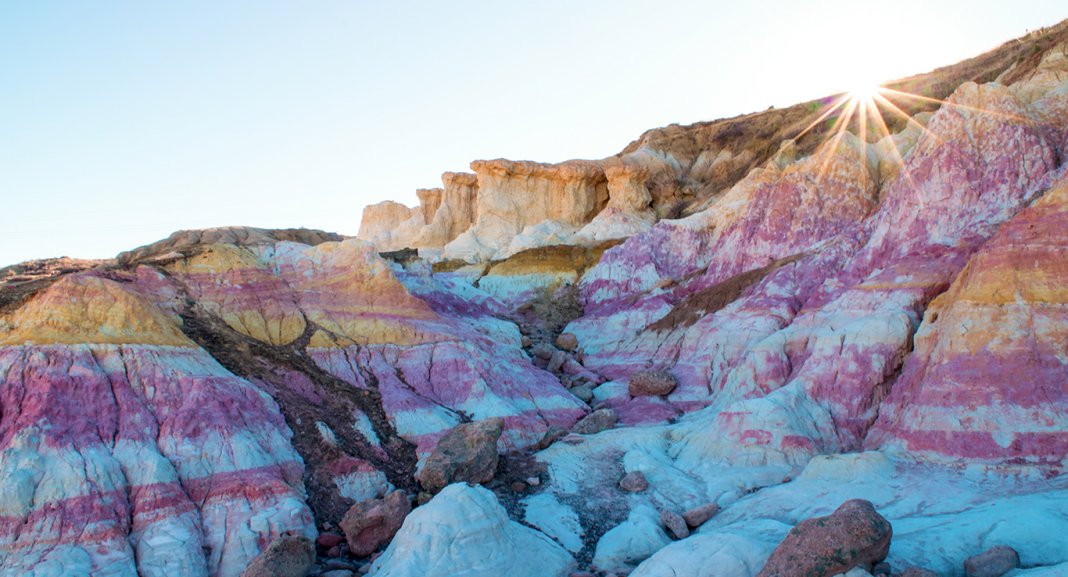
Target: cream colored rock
(391, 225)
(514, 195)
(1050, 73)
(429, 202)
(454, 211)
(888, 153)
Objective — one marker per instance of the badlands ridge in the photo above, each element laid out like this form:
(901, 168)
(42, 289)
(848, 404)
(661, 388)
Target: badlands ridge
(754, 346)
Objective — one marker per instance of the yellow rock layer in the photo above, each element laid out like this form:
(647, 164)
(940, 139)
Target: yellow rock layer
(81, 309)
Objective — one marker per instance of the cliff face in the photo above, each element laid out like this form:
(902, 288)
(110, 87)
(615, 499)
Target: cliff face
(826, 319)
(677, 171)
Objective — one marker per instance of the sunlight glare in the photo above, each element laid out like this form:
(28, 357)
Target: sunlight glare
(864, 91)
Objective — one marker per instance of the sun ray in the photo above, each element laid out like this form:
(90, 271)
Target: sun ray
(907, 95)
(838, 129)
(908, 119)
(842, 100)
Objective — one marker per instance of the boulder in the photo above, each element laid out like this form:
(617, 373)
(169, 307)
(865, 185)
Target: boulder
(651, 383)
(556, 361)
(567, 341)
(326, 540)
(467, 453)
(675, 524)
(370, 524)
(698, 515)
(595, 422)
(994, 562)
(854, 534)
(551, 435)
(583, 393)
(542, 351)
(288, 556)
(634, 482)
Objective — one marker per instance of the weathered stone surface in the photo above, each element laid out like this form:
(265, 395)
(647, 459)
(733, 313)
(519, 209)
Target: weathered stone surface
(634, 482)
(675, 524)
(651, 383)
(467, 453)
(465, 531)
(391, 225)
(287, 556)
(567, 341)
(370, 524)
(183, 241)
(328, 540)
(985, 383)
(993, 562)
(855, 534)
(595, 422)
(515, 195)
(698, 515)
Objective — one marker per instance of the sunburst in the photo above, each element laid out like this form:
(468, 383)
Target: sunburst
(862, 109)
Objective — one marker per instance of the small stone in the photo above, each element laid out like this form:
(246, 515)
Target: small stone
(881, 569)
(329, 539)
(542, 351)
(518, 486)
(855, 534)
(994, 562)
(333, 552)
(584, 393)
(675, 524)
(556, 362)
(364, 569)
(337, 573)
(918, 572)
(533, 481)
(336, 564)
(552, 434)
(370, 524)
(634, 482)
(698, 515)
(423, 498)
(582, 574)
(288, 556)
(467, 453)
(525, 341)
(567, 341)
(651, 383)
(595, 422)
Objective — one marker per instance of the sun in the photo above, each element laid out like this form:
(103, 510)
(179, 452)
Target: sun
(864, 91)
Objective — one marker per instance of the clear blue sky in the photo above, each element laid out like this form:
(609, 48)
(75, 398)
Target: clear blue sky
(121, 122)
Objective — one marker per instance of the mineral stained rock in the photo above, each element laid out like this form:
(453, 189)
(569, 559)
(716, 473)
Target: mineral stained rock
(854, 535)
(841, 317)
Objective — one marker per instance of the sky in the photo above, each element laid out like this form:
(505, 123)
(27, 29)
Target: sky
(121, 122)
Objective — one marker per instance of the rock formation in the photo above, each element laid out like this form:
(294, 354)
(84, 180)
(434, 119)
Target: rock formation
(679, 360)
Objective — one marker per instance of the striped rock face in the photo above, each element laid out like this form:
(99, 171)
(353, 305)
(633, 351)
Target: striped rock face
(986, 382)
(127, 450)
(174, 418)
(794, 341)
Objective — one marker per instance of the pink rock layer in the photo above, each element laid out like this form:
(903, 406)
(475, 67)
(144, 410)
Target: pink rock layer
(141, 459)
(986, 382)
(799, 361)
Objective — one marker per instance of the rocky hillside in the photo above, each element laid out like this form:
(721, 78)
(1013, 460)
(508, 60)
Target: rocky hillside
(840, 355)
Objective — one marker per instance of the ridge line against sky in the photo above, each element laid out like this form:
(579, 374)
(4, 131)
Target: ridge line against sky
(122, 122)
